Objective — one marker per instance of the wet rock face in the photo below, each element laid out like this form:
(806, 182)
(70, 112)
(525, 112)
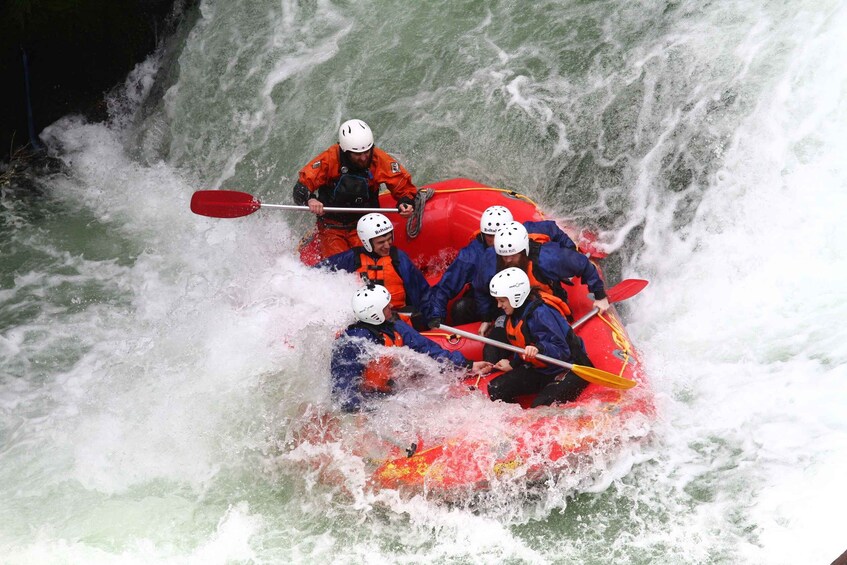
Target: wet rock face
(73, 52)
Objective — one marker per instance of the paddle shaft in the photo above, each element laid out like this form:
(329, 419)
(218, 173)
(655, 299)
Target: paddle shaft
(235, 204)
(501, 345)
(329, 208)
(590, 374)
(621, 291)
(585, 318)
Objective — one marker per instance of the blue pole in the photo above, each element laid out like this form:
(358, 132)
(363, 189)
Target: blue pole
(33, 139)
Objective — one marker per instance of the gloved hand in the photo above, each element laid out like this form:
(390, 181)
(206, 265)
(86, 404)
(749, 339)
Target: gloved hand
(433, 323)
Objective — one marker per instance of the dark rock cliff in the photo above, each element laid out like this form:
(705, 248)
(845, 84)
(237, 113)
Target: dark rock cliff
(71, 52)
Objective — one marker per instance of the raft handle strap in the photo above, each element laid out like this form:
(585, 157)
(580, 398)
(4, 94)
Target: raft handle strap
(415, 221)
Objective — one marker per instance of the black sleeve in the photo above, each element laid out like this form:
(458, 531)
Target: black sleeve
(301, 194)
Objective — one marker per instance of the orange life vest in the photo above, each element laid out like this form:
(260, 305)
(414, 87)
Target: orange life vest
(383, 271)
(547, 293)
(377, 374)
(539, 238)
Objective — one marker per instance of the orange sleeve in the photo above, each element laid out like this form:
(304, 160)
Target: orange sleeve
(320, 170)
(386, 169)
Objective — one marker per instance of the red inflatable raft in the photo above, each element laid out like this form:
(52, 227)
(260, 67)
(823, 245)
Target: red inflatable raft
(540, 442)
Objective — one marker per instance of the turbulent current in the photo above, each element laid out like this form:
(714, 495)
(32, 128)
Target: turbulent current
(154, 363)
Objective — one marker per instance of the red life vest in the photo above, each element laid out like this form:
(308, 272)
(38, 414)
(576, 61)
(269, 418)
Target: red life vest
(377, 374)
(383, 271)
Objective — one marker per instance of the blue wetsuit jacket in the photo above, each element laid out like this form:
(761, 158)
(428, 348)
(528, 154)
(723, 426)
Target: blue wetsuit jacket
(548, 330)
(349, 357)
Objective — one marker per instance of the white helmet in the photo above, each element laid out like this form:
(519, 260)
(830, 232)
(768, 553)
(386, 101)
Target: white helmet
(355, 136)
(511, 239)
(494, 218)
(511, 283)
(371, 226)
(369, 303)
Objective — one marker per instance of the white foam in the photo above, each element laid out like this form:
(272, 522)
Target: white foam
(744, 316)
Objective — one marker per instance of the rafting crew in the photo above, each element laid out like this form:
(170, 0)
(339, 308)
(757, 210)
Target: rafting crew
(356, 375)
(533, 261)
(349, 175)
(538, 327)
(534, 316)
(545, 255)
(378, 261)
(461, 272)
(549, 267)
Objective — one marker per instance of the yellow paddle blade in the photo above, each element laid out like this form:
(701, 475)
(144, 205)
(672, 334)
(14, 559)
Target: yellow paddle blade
(600, 377)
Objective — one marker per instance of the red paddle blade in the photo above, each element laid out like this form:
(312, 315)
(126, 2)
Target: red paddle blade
(626, 289)
(223, 203)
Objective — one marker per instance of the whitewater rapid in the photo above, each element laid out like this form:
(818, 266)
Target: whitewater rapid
(153, 361)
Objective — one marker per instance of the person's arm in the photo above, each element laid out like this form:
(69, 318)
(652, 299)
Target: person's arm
(419, 343)
(548, 330)
(562, 264)
(344, 261)
(314, 175)
(486, 306)
(460, 273)
(346, 370)
(397, 179)
(549, 333)
(301, 194)
(304, 197)
(417, 287)
(552, 230)
(509, 363)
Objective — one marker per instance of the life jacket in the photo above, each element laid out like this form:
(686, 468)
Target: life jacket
(352, 190)
(384, 271)
(377, 374)
(556, 294)
(555, 302)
